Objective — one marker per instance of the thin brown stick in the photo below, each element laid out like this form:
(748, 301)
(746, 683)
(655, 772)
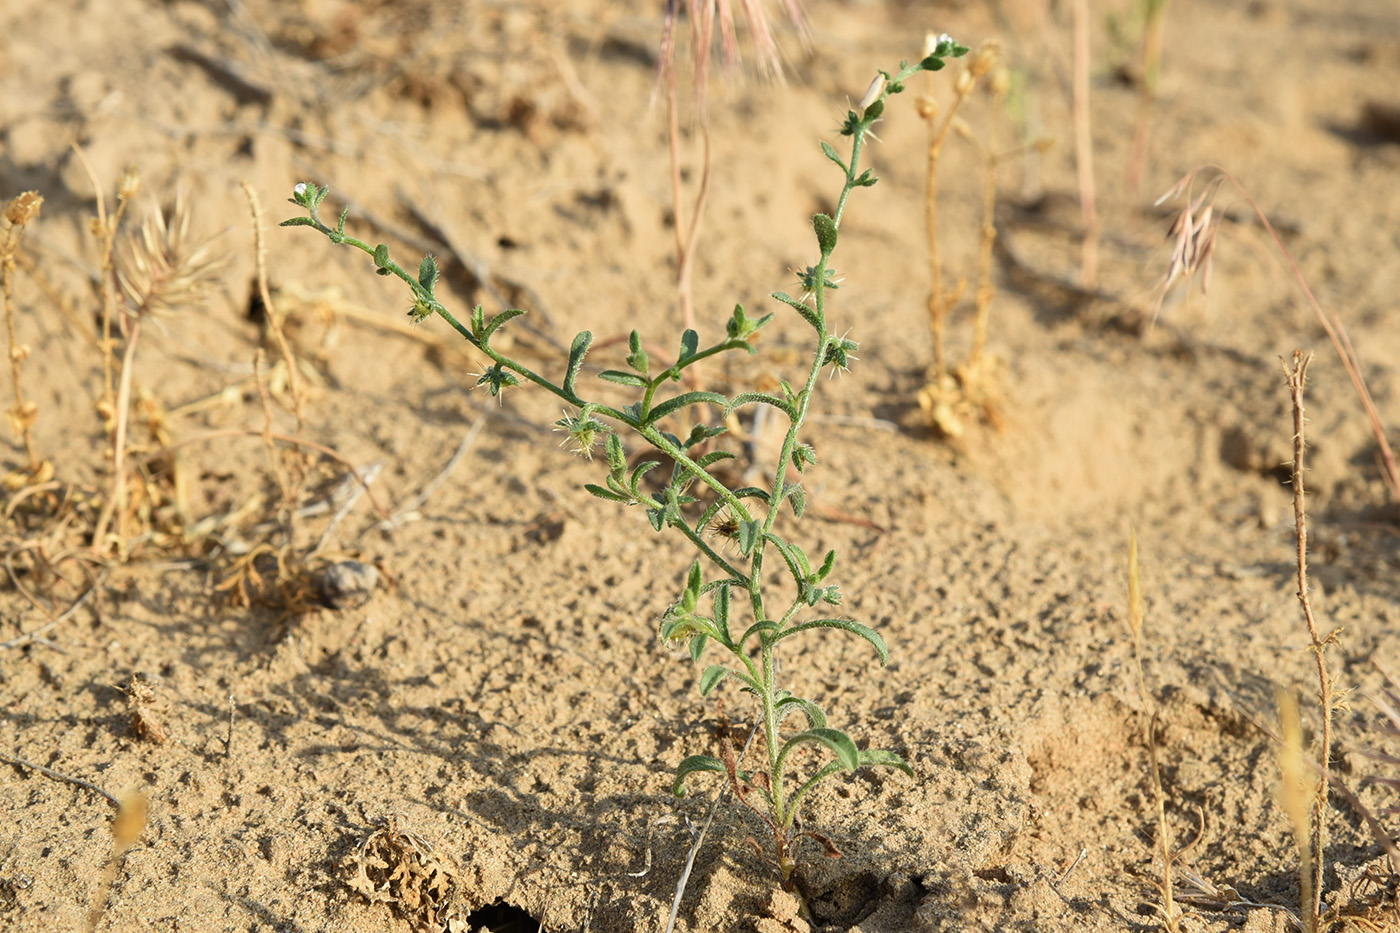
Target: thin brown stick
(116, 496)
(1296, 378)
(59, 776)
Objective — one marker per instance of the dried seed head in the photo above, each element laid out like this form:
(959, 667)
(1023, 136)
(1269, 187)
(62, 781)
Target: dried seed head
(984, 58)
(705, 16)
(129, 185)
(23, 208)
(1000, 81)
(926, 106)
(965, 83)
(160, 270)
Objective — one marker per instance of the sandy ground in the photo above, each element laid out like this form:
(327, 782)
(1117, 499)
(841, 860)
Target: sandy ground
(502, 697)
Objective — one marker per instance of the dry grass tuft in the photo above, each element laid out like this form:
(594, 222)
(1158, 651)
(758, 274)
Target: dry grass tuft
(161, 269)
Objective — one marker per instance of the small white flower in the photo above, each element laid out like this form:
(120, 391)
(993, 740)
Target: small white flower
(300, 189)
(933, 40)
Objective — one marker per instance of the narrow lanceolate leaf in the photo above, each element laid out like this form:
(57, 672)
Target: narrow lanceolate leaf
(576, 355)
(758, 398)
(602, 493)
(846, 625)
(816, 719)
(681, 401)
(484, 333)
(623, 378)
(878, 756)
(711, 678)
(829, 151)
(690, 766)
(837, 741)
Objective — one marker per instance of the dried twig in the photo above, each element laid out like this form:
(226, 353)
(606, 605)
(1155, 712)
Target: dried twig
(59, 776)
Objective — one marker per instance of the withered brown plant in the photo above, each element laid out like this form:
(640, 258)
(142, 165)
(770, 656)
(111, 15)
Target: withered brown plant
(1317, 812)
(955, 396)
(400, 868)
(161, 270)
(19, 212)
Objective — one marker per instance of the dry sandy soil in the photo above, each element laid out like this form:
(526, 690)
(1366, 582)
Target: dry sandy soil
(502, 697)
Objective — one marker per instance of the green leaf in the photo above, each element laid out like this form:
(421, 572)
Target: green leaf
(478, 321)
(837, 741)
(714, 456)
(298, 222)
(697, 646)
(722, 613)
(867, 179)
(808, 314)
(622, 378)
(576, 355)
(636, 356)
(878, 756)
(758, 628)
(428, 273)
(617, 459)
(872, 113)
(816, 719)
(751, 492)
(690, 344)
(702, 432)
(828, 565)
(711, 678)
(798, 499)
(642, 469)
(749, 535)
(826, 232)
(602, 493)
(381, 257)
(829, 151)
(692, 765)
(684, 399)
(846, 625)
(694, 580)
(757, 398)
(484, 334)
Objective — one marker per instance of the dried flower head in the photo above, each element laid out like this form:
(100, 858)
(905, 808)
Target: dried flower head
(704, 17)
(161, 270)
(23, 208)
(1192, 232)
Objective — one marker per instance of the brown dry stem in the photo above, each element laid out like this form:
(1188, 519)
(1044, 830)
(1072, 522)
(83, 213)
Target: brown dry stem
(22, 415)
(1318, 815)
(1136, 615)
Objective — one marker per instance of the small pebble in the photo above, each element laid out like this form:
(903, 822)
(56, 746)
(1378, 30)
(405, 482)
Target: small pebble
(347, 584)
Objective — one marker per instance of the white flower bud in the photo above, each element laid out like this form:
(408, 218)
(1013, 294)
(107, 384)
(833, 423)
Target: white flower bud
(872, 93)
